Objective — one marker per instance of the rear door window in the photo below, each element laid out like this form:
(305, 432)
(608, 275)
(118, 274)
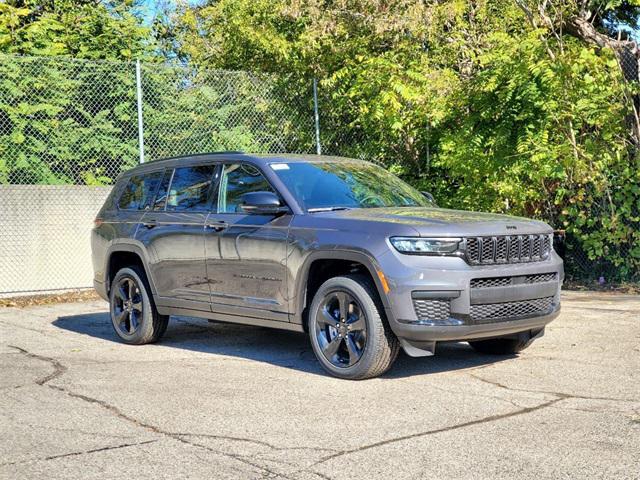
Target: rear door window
(139, 191)
(190, 188)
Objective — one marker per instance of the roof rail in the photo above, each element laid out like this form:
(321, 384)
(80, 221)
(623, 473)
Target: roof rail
(222, 152)
(226, 152)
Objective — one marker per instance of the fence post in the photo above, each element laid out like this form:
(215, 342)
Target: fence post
(139, 101)
(317, 117)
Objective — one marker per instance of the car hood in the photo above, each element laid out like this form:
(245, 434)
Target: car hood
(430, 221)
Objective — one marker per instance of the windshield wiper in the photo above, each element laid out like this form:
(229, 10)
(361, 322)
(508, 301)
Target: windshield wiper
(327, 209)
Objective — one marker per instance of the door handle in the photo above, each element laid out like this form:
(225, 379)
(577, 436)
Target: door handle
(149, 224)
(218, 226)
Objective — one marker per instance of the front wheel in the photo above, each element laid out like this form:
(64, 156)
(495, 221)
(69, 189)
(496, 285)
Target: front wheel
(348, 334)
(133, 313)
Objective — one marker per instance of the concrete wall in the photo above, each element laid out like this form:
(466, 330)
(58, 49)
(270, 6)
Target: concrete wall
(44, 236)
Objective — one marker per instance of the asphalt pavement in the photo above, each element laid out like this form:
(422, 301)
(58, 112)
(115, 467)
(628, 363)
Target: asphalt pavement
(218, 401)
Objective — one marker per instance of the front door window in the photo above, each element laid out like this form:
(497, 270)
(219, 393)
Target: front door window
(238, 179)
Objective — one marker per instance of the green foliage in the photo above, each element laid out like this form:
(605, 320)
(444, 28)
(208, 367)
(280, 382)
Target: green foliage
(65, 120)
(190, 112)
(68, 121)
(484, 103)
(82, 131)
(78, 28)
(467, 99)
(546, 137)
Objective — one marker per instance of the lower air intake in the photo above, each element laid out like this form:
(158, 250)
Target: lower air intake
(432, 309)
(511, 310)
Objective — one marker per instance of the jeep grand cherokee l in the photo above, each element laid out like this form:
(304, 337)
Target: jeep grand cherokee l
(338, 248)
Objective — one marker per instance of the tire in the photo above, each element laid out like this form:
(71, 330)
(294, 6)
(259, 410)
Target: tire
(366, 347)
(500, 346)
(133, 313)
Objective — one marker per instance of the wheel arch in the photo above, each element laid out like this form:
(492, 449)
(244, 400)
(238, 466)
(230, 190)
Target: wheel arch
(306, 286)
(122, 254)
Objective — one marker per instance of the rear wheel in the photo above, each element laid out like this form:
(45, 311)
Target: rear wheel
(133, 313)
(348, 334)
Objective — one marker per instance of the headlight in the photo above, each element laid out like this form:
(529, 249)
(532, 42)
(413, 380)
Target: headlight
(426, 246)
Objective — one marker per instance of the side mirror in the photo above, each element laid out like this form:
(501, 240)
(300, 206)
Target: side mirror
(266, 203)
(429, 197)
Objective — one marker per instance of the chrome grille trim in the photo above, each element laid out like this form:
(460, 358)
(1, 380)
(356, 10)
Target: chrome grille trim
(507, 249)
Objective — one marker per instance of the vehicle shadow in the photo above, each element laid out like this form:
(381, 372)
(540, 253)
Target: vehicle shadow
(278, 347)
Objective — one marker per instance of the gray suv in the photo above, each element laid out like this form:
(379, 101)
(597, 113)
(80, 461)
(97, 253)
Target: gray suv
(335, 247)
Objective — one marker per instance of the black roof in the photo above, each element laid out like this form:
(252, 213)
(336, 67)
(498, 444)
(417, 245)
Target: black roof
(257, 159)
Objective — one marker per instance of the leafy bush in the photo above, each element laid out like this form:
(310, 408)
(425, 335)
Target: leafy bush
(547, 138)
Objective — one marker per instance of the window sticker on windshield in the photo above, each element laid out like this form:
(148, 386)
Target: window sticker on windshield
(280, 166)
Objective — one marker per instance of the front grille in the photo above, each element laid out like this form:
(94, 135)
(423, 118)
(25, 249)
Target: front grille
(541, 277)
(490, 282)
(432, 309)
(517, 280)
(511, 310)
(507, 249)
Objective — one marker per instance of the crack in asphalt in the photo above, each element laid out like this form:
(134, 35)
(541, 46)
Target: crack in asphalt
(559, 396)
(479, 395)
(82, 452)
(234, 456)
(103, 449)
(495, 383)
(491, 418)
(59, 369)
(173, 435)
(185, 437)
(256, 442)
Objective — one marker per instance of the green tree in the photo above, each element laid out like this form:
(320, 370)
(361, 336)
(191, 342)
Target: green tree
(68, 115)
(64, 120)
(89, 29)
(512, 106)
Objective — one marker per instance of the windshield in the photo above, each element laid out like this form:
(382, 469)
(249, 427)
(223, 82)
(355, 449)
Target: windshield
(319, 186)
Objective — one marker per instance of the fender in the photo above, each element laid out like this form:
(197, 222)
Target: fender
(130, 246)
(362, 257)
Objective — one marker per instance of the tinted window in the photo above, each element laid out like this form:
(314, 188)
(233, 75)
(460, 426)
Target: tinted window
(190, 188)
(161, 196)
(139, 191)
(238, 179)
(349, 184)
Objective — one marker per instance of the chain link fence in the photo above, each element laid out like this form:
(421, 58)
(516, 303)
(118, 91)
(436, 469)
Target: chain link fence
(69, 127)
(582, 266)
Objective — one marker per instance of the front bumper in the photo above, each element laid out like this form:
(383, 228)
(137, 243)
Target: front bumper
(469, 308)
(445, 333)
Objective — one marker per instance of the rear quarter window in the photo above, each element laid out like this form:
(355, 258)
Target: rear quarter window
(139, 191)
